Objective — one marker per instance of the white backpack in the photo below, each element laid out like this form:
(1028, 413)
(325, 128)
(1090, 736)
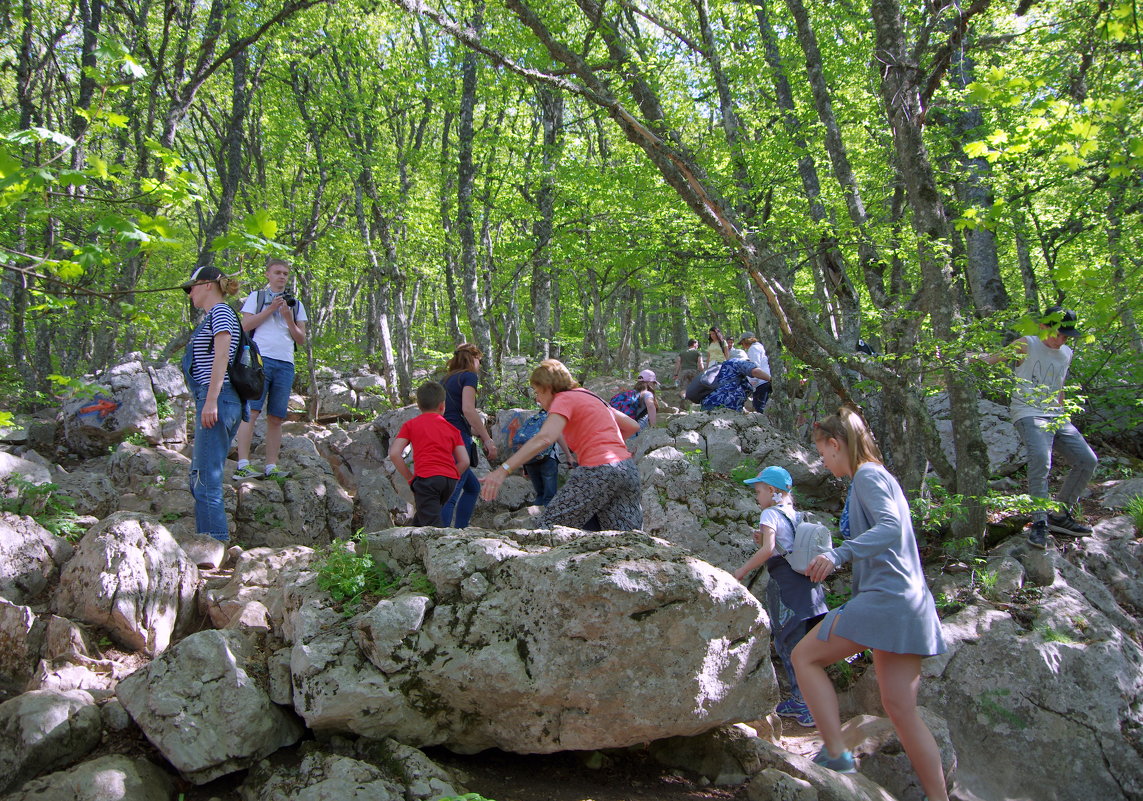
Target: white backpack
(810, 540)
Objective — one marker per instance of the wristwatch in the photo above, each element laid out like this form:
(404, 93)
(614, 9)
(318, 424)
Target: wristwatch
(507, 469)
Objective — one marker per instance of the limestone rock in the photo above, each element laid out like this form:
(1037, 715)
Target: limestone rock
(26, 470)
(30, 557)
(45, 730)
(382, 770)
(130, 575)
(537, 642)
(108, 778)
(201, 706)
(21, 638)
(1066, 690)
(127, 401)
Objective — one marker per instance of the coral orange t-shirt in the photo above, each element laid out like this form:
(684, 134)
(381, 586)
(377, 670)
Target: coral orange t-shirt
(591, 432)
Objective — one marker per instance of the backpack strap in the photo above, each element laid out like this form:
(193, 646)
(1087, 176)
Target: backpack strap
(794, 522)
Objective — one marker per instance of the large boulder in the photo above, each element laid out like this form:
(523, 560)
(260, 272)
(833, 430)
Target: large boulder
(130, 576)
(536, 642)
(42, 730)
(30, 557)
(308, 508)
(382, 770)
(130, 398)
(109, 778)
(21, 638)
(202, 706)
(1005, 449)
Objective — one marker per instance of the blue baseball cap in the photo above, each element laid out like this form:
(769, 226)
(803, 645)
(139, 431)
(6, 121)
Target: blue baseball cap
(776, 477)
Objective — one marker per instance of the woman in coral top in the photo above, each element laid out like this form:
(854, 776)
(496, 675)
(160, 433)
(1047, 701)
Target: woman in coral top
(605, 484)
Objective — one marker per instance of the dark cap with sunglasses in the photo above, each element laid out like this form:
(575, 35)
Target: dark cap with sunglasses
(202, 275)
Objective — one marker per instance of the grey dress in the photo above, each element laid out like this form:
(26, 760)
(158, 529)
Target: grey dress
(891, 608)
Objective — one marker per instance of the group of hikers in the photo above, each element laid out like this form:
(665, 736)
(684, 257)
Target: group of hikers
(891, 611)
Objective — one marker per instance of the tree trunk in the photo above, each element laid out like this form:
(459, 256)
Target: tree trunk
(901, 96)
(551, 120)
(466, 180)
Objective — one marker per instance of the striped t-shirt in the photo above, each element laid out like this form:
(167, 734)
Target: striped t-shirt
(220, 318)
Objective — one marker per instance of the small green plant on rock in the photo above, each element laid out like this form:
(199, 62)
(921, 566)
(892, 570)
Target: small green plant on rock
(350, 578)
(1135, 512)
(43, 503)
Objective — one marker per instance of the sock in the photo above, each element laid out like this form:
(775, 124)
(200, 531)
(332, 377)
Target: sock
(243, 463)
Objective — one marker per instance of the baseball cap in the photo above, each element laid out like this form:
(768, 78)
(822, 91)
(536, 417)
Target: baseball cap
(1061, 319)
(649, 376)
(200, 274)
(737, 353)
(776, 477)
(747, 335)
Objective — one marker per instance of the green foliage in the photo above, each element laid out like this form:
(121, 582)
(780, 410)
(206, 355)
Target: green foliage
(1049, 634)
(1134, 509)
(948, 604)
(164, 408)
(466, 797)
(748, 469)
(836, 599)
(350, 577)
(987, 581)
(43, 503)
(698, 458)
(997, 713)
(136, 438)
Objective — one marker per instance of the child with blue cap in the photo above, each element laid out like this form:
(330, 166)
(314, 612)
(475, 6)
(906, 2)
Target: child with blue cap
(795, 604)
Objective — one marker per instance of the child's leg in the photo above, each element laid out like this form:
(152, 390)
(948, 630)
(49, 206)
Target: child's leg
(1038, 445)
(810, 658)
(899, 676)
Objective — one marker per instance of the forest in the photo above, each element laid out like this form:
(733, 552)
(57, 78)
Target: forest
(591, 180)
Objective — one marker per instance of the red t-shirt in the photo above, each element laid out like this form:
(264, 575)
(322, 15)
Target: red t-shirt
(591, 432)
(433, 439)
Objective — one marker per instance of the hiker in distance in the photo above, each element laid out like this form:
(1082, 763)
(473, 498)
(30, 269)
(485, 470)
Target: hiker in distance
(1040, 364)
(278, 321)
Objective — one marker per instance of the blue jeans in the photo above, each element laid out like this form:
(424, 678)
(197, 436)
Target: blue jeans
(544, 475)
(211, 446)
(467, 493)
(279, 383)
(1038, 441)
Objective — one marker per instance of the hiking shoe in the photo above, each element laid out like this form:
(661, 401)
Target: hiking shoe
(1067, 525)
(796, 708)
(246, 472)
(1038, 535)
(842, 763)
(276, 473)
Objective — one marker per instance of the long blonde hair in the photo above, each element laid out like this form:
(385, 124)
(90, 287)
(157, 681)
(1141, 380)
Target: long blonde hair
(848, 427)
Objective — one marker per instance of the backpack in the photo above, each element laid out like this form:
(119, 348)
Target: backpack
(627, 402)
(529, 429)
(810, 540)
(245, 369)
(703, 384)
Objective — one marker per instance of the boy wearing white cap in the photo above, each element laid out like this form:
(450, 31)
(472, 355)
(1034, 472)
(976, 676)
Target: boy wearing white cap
(794, 603)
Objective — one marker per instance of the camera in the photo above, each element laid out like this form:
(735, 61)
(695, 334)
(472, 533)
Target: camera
(291, 301)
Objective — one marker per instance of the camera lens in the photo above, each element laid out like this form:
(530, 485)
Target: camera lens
(290, 300)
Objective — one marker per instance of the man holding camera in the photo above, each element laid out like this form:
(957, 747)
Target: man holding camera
(278, 321)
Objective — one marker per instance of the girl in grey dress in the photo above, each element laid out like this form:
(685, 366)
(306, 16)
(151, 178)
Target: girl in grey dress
(891, 610)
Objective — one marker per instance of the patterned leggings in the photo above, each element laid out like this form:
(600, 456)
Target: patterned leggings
(611, 492)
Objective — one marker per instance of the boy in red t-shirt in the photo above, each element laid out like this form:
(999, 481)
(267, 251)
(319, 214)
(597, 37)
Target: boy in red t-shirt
(439, 455)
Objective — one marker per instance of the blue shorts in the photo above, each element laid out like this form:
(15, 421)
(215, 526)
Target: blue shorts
(279, 383)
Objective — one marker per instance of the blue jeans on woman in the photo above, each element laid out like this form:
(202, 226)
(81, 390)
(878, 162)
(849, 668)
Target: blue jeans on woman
(467, 493)
(544, 475)
(208, 460)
